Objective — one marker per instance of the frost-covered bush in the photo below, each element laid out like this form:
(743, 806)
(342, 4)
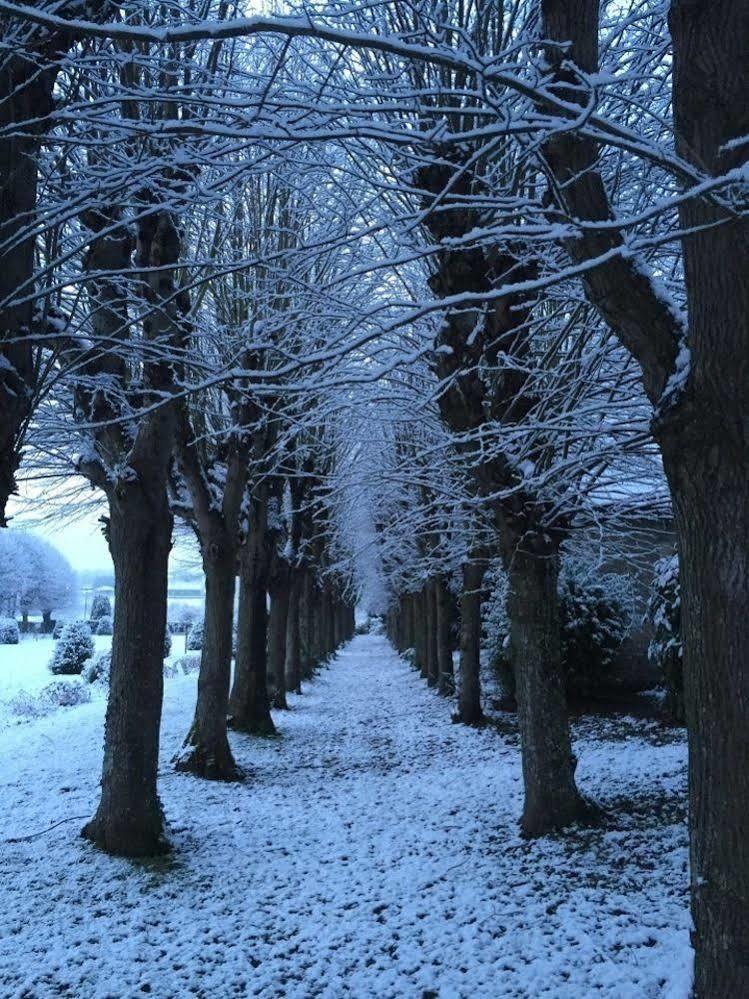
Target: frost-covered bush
(189, 663)
(97, 669)
(58, 629)
(65, 694)
(9, 633)
(496, 628)
(595, 622)
(666, 650)
(101, 607)
(58, 694)
(103, 626)
(73, 649)
(195, 637)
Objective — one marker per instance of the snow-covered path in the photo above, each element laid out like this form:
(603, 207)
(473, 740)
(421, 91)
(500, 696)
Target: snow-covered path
(373, 852)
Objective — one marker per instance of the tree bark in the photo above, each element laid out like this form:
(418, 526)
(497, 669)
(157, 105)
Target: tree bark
(206, 751)
(277, 624)
(701, 428)
(308, 639)
(469, 699)
(552, 800)
(704, 438)
(430, 597)
(293, 664)
(445, 678)
(129, 819)
(420, 641)
(249, 707)
(330, 636)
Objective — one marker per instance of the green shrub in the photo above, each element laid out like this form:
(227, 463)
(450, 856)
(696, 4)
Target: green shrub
(666, 650)
(103, 626)
(9, 631)
(195, 637)
(101, 607)
(73, 649)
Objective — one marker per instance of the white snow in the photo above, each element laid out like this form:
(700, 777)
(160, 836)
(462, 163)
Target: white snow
(24, 669)
(373, 852)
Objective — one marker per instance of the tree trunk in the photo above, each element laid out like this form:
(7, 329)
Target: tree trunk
(713, 528)
(308, 636)
(330, 625)
(552, 800)
(249, 707)
(129, 820)
(705, 444)
(445, 678)
(206, 751)
(277, 624)
(293, 650)
(430, 596)
(420, 636)
(469, 700)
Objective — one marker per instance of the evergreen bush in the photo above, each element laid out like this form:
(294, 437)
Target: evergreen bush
(103, 626)
(9, 631)
(665, 650)
(101, 607)
(73, 649)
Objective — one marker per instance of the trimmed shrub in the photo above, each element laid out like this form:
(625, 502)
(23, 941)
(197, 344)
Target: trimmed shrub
(73, 649)
(9, 631)
(58, 629)
(65, 694)
(195, 637)
(666, 650)
(58, 694)
(101, 607)
(97, 669)
(189, 663)
(103, 625)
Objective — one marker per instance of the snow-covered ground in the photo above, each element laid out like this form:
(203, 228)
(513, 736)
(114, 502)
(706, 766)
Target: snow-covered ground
(24, 672)
(373, 852)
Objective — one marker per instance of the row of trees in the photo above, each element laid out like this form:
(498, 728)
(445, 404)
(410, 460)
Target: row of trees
(391, 291)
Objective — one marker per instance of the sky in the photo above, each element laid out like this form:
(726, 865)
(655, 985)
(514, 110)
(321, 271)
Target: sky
(79, 538)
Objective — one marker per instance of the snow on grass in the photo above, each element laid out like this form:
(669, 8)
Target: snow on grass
(372, 852)
(24, 673)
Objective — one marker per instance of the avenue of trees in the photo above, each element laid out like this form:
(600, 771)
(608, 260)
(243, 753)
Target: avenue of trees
(390, 303)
